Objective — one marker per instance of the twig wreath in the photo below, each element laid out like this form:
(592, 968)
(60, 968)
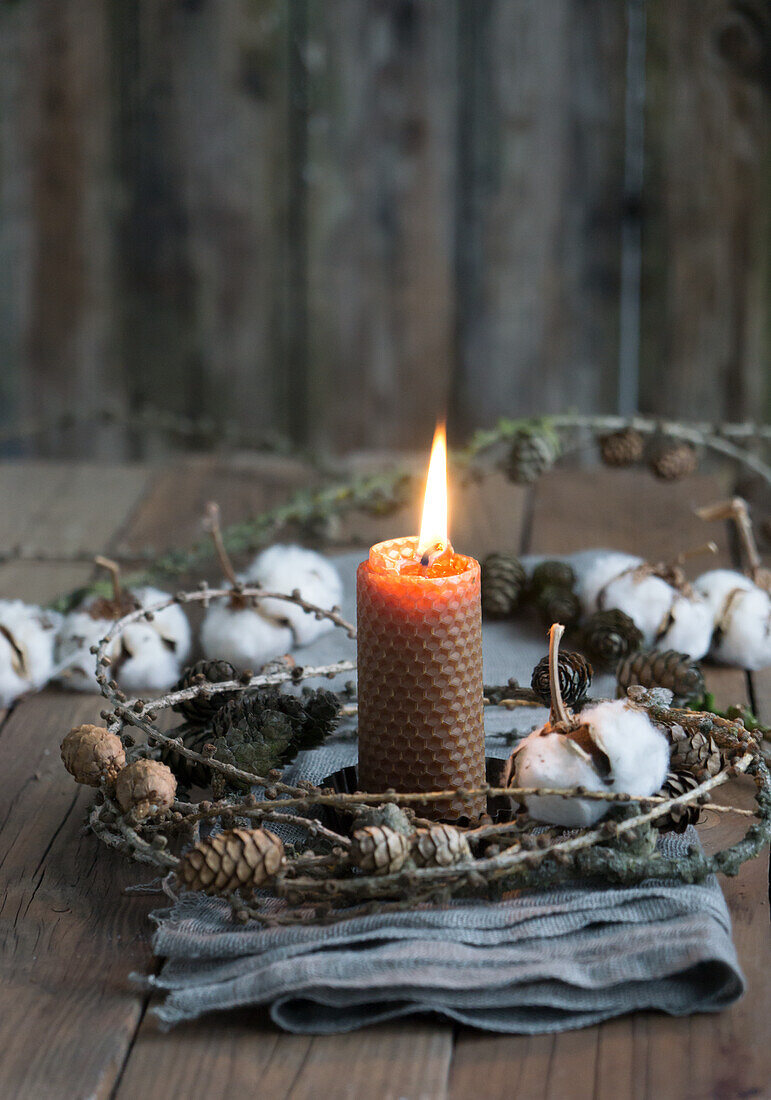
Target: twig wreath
(356, 851)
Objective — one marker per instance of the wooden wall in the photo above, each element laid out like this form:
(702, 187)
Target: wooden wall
(328, 219)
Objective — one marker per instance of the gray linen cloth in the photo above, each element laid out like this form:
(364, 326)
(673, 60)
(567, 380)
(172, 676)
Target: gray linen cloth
(538, 961)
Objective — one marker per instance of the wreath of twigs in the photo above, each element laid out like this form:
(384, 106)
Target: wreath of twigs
(320, 880)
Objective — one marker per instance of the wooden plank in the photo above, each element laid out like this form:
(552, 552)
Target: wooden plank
(201, 131)
(15, 195)
(228, 119)
(172, 512)
(541, 184)
(241, 1049)
(381, 88)
(57, 122)
(626, 510)
(641, 1058)
(705, 236)
(69, 937)
(49, 510)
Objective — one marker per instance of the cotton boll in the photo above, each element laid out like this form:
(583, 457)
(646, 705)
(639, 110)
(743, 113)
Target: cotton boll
(637, 756)
(691, 627)
(146, 661)
(645, 599)
(167, 634)
(286, 568)
(744, 634)
(552, 760)
(596, 569)
(638, 753)
(27, 639)
(171, 624)
(79, 631)
(717, 585)
(742, 618)
(242, 636)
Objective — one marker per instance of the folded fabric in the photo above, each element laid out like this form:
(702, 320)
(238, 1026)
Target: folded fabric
(539, 961)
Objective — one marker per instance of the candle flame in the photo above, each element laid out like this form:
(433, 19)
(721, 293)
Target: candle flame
(433, 525)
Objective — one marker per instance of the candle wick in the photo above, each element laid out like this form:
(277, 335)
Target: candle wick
(430, 555)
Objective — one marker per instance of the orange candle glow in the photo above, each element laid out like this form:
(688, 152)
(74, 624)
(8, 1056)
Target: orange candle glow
(421, 719)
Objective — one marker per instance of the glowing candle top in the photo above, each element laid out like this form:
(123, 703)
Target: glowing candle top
(434, 530)
(429, 555)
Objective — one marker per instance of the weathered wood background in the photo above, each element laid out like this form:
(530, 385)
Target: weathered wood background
(326, 219)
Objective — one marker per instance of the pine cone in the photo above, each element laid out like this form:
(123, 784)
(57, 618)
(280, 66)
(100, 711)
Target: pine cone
(261, 730)
(575, 678)
(610, 635)
(93, 755)
(236, 859)
(622, 448)
(673, 460)
(201, 708)
(145, 788)
(551, 574)
(191, 773)
(559, 605)
(503, 581)
(379, 850)
(663, 668)
(440, 846)
(696, 753)
(679, 817)
(532, 454)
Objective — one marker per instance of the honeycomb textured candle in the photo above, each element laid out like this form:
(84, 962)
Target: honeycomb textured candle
(421, 718)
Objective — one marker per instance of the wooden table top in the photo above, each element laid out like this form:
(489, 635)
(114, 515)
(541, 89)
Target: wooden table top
(71, 1025)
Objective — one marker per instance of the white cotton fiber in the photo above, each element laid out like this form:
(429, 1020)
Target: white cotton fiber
(742, 613)
(78, 633)
(147, 660)
(243, 636)
(717, 585)
(286, 568)
(171, 624)
(27, 639)
(550, 760)
(637, 751)
(167, 637)
(594, 570)
(638, 755)
(690, 629)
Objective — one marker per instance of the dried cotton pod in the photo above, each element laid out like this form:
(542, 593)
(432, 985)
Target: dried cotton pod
(289, 568)
(440, 846)
(379, 850)
(93, 755)
(620, 750)
(236, 859)
(145, 788)
(742, 618)
(145, 655)
(27, 639)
